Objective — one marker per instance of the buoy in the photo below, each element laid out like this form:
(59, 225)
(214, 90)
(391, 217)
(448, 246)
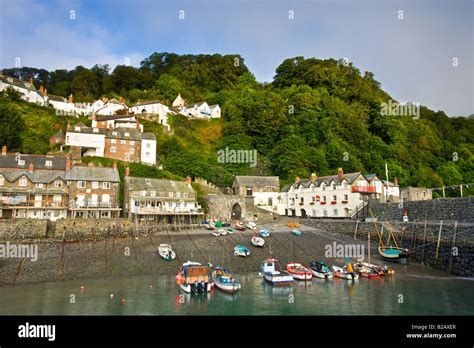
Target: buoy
(124, 301)
(111, 295)
(82, 288)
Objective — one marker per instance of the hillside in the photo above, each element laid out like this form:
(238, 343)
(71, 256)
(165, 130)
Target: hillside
(316, 116)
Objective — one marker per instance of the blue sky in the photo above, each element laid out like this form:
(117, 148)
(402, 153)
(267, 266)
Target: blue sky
(412, 57)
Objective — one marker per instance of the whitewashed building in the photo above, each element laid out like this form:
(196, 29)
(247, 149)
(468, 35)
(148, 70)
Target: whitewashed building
(27, 89)
(152, 107)
(111, 107)
(215, 111)
(179, 102)
(264, 190)
(199, 110)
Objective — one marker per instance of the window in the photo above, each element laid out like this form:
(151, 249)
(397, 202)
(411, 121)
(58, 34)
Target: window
(81, 184)
(178, 194)
(127, 134)
(22, 182)
(148, 145)
(106, 185)
(113, 141)
(323, 187)
(143, 193)
(132, 142)
(39, 185)
(249, 192)
(49, 163)
(2, 180)
(132, 151)
(152, 193)
(105, 198)
(147, 154)
(335, 212)
(324, 198)
(333, 186)
(346, 197)
(185, 195)
(21, 162)
(58, 183)
(114, 133)
(325, 212)
(113, 149)
(95, 184)
(170, 194)
(123, 142)
(334, 198)
(170, 204)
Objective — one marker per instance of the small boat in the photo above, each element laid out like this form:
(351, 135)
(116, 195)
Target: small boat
(320, 270)
(366, 271)
(382, 270)
(296, 232)
(219, 224)
(166, 252)
(224, 280)
(216, 233)
(341, 272)
(264, 233)
(222, 232)
(271, 271)
(229, 230)
(393, 254)
(210, 226)
(298, 271)
(239, 226)
(226, 224)
(257, 241)
(240, 250)
(251, 225)
(194, 278)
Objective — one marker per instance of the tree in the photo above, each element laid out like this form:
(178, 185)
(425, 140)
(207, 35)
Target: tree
(12, 125)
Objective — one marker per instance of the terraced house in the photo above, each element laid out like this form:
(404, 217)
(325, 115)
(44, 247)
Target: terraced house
(33, 186)
(147, 199)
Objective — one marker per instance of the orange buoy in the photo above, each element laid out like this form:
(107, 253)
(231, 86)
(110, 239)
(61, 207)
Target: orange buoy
(124, 301)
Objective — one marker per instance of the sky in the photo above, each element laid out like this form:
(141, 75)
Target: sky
(421, 51)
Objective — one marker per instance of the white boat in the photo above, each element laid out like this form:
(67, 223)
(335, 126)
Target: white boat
(257, 241)
(222, 232)
(240, 250)
(272, 273)
(298, 271)
(224, 280)
(341, 272)
(251, 225)
(216, 233)
(194, 278)
(320, 270)
(166, 252)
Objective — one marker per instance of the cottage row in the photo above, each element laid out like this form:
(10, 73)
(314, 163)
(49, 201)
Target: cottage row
(52, 187)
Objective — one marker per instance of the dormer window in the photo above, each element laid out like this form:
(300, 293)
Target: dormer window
(77, 129)
(22, 182)
(95, 130)
(127, 134)
(114, 133)
(21, 162)
(49, 163)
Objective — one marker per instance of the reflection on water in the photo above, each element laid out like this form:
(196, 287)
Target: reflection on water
(147, 295)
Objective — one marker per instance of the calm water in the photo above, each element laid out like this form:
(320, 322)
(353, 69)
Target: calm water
(161, 296)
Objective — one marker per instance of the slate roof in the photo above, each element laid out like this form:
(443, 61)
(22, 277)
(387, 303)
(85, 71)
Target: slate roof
(56, 98)
(92, 174)
(256, 181)
(112, 117)
(158, 185)
(17, 82)
(39, 161)
(148, 102)
(148, 136)
(121, 133)
(350, 178)
(40, 176)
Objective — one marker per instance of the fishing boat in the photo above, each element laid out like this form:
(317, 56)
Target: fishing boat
(390, 251)
(210, 226)
(367, 271)
(222, 232)
(251, 225)
(264, 233)
(271, 271)
(257, 241)
(239, 226)
(224, 280)
(240, 250)
(320, 270)
(219, 224)
(296, 232)
(166, 252)
(194, 278)
(216, 233)
(341, 272)
(229, 230)
(298, 271)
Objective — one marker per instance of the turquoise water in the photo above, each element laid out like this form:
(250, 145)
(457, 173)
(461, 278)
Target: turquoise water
(147, 295)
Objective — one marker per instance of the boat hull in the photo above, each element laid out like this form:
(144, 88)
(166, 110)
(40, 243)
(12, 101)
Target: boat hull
(196, 288)
(278, 279)
(321, 275)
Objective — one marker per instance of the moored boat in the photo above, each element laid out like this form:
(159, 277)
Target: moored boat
(239, 226)
(264, 233)
(393, 254)
(251, 225)
(257, 241)
(224, 280)
(216, 233)
(342, 272)
(223, 232)
(240, 250)
(229, 230)
(298, 271)
(320, 270)
(194, 278)
(296, 232)
(166, 252)
(271, 271)
(367, 271)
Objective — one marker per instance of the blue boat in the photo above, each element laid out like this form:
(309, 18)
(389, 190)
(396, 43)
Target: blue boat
(296, 232)
(224, 280)
(240, 250)
(264, 233)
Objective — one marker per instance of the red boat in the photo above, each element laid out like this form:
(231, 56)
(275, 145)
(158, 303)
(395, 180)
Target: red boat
(298, 271)
(368, 272)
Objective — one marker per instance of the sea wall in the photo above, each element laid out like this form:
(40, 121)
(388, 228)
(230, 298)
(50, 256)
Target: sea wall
(457, 209)
(456, 244)
(23, 229)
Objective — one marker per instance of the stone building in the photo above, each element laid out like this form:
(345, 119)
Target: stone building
(264, 189)
(411, 194)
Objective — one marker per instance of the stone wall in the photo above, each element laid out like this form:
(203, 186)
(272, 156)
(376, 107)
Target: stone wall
(422, 245)
(23, 229)
(91, 229)
(220, 206)
(458, 209)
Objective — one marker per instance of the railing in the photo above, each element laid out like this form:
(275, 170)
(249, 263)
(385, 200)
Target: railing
(359, 212)
(92, 205)
(364, 189)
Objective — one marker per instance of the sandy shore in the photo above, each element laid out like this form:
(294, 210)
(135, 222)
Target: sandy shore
(138, 255)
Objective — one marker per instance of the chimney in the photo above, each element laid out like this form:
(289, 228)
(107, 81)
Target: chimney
(69, 99)
(340, 174)
(105, 100)
(30, 81)
(41, 89)
(31, 167)
(4, 150)
(395, 181)
(127, 171)
(314, 177)
(297, 179)
(115, 166)
(188, 180)
(45, 91)
(68, 164)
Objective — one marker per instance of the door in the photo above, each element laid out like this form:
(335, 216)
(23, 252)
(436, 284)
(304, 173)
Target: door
(236, 212)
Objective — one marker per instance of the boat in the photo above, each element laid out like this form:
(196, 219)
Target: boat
(240, 250)
(296, 232)
(320, 270)
(257, 241)
(219, 224)
(341, 272)
(216, 233)
(271, 271)
(264, 233)
(367, 271)
(224, 280)
(298, 271)
(194, 278)
(210, 226)
(390, 251)
(222, 232)
(166, 252)
(251, 225)
(229, 230)
(239, 226)
(226, 224)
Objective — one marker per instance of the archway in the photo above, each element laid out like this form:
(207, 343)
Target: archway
(303, 213)
(236, 212)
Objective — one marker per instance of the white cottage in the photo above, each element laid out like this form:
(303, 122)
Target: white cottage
(27, 89)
